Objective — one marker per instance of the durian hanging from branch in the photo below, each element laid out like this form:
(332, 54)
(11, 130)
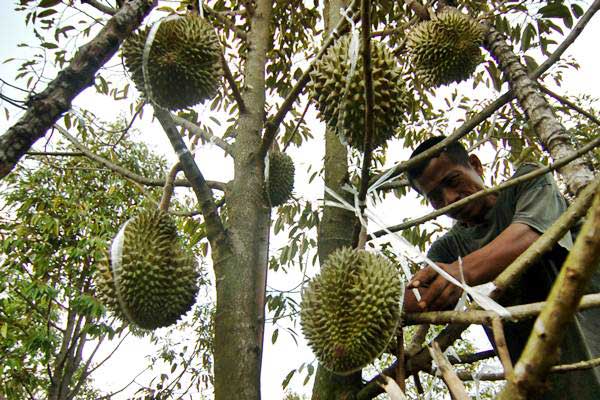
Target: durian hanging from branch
(281, 178)
(336, 100)
(149, 278)
(446, 48)
(350, 312)
(184, 62)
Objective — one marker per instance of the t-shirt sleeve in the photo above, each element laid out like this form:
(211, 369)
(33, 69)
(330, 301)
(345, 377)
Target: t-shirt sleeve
(539, 203)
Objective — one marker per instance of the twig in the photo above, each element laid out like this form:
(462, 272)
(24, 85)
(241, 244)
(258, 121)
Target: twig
(417, 340)
(455, 385)
(100, 7)
(56, 153)
(501, 345)
(369, 125)
(272, 125)
(482, 317)
(296, 127)
(570, 104)
(169, 187)
(226, 22)
(235, 90)
(142, 180)
(511, 182)
(206, 135)
(46, 107)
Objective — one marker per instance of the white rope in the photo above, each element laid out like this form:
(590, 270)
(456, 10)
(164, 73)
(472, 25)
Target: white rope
(410, 252)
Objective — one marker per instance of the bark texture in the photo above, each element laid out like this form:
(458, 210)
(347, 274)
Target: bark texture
(335, 231)
(241, 278)
(549, 130)
(540, 352)
(45, 108)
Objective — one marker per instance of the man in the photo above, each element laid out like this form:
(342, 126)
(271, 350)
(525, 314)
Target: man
(488, 235)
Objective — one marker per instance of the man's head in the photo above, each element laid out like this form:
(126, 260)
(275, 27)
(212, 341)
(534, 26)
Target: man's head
(449, 177)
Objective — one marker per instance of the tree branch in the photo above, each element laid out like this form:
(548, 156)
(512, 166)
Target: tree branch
(511, 182)
(235, 90)
(142, 180)
(206, 135)
(46, 107)
(455, 385)
(225, 21)
(100, 7)
(570, 104)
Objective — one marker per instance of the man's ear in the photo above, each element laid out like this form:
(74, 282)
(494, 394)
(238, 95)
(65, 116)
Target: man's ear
(475, 163)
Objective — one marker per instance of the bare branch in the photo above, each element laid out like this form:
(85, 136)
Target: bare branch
(235, 90)
(100, 7)
(142, 180)
(570, 104)
(46, 107)
(206, 135)
(501, 345)
(455, 385)
(169, 187)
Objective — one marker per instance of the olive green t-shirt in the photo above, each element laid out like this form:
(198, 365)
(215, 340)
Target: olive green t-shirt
(537, 203)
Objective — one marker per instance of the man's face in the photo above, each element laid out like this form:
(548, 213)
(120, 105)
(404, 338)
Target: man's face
(444, 182)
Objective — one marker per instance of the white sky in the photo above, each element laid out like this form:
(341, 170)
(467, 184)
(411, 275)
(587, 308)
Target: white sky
(285, 355)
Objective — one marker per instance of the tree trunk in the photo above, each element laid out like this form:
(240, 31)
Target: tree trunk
(45, 108)
(335, 231)
(241, 278)
(549, 130)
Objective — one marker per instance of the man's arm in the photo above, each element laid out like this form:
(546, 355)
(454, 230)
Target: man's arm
(481, 266)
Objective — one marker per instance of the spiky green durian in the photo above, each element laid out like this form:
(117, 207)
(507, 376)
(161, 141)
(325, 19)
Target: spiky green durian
(183, 65)
(281, 178)
(105, 284)
(351, 310)
(446, 48)
(152, 280)
(328, 86)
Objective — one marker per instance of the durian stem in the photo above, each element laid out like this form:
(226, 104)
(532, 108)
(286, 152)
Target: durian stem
(45, 108)
(369, 120)
(169, 187)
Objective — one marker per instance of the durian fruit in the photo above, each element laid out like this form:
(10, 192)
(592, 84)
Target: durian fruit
(351, 310)
(281, 178)
(446, 48)
(184, 64)
(328, 87)
(107, 294)
(151, 280)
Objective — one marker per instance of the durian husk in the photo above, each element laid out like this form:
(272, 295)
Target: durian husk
(281, 178)
(328, 88)
(184, 63)
(351, 310)
(154, 281)
(446, 48)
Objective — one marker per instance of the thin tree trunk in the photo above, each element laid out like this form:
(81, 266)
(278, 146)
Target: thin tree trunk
(335, 231)
(241, 279)
(549, 130)
(45, 108)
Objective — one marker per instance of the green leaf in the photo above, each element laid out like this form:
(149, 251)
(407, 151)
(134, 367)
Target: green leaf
(528, 34)
(46, 13)
(577, 10)
(4, 331)
(287, 379)
(275, 335)
(48, 3)
(555, 10)
(49, 45)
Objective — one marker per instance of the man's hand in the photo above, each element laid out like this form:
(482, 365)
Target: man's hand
(436, 292)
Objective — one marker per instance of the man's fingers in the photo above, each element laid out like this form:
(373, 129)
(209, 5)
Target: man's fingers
(447, 299)
(422, 277)
(434, 290)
